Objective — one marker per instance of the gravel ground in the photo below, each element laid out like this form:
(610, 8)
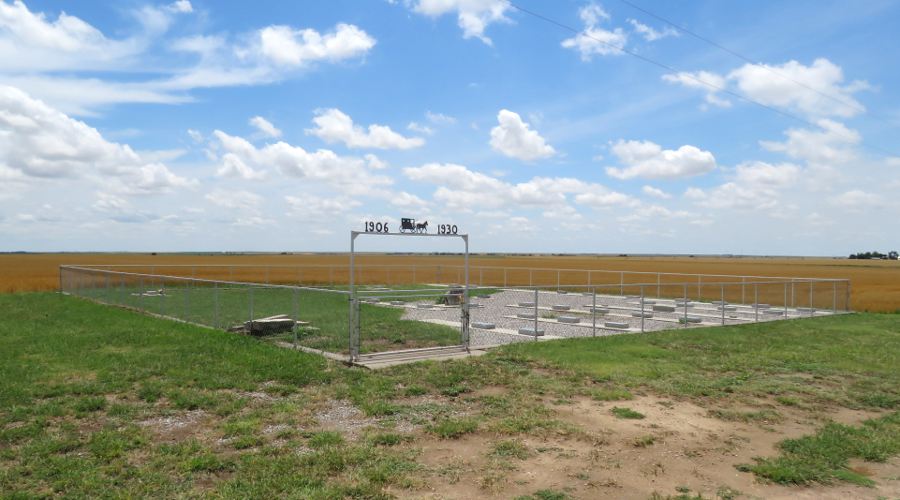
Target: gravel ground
(502, 307)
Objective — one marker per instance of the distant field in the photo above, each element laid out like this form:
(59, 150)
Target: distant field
(875, 284)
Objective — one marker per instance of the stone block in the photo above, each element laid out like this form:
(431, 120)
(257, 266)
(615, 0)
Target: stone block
(561, 307)
(484, 325)
(568, 319)
(529, 330)
(617, 325)
(663, 308)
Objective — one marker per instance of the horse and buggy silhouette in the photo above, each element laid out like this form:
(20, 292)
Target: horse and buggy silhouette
(411, 226)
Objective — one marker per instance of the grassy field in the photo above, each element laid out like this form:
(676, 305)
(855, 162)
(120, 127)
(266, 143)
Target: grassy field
(99, 401)
(875, 284)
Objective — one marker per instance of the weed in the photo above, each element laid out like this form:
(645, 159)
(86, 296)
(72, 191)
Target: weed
(452, 428)
(627, 413)
(511, 448)
(643, 441)
(823, 457)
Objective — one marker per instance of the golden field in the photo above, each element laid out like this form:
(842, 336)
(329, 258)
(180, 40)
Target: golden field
(875, 284)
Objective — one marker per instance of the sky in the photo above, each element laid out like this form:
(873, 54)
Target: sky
(622, 126)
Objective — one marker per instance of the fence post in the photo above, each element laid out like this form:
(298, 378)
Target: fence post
(122, 290)
(141, 293)
(187, 299)
(743, 281)
(755, 302)
(793, 295)
(811, 308)
(414, 274)
(785, 299)
(504, 278)
(685, 306)
(331, 275)
(480, 276)
(530, 277)
(591, 281)
(438, 274)
(594, 313)
(699, 284)
(847, 299)
(723, 304)
(834, 297)
(251, 309)
(268, 268)
(535, 314)
(622, 284)
(658, 294)
(642, 308)
(557, 280)
(296, 315)
(299, 275)
(216, 305)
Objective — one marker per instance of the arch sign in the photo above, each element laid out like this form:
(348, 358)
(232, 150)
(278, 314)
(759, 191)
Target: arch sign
(409, 227)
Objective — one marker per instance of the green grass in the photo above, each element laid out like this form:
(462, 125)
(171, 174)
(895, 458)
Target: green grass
(626, 413)
(453, 428)
(381, 328)
(823, 457)
(81, 381)
(848, 359)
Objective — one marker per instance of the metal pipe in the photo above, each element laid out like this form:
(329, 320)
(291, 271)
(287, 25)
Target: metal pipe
(755, 303)
(723, 305)
(594, 313)
(685, 306)
(535, 332)
(642, 308)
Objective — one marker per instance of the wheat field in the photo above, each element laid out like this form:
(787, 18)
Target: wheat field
(875, 284)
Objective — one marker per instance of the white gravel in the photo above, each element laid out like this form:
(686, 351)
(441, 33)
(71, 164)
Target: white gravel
(501, 309)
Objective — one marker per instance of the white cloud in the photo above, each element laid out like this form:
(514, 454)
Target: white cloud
(755, 186)
(265, 127)
(757, 82)
(240, 158)
(650, 34)
(439, 118)
(419, 128)
(195, 135)
(237, 199)
(817, 90)
(317, 208)
(514, 138)
(40, 141)
(656, 192)
(834, 144)
(181, 7)
(333, 125)
(594, 40)
(49, 57)
(648, 160)
(857, 200)
(709, 82)
(284, 45)
(465, 190)
(473, 16)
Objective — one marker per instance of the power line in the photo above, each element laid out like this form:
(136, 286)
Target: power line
(673, 69)
(853, 105)
(662, 65)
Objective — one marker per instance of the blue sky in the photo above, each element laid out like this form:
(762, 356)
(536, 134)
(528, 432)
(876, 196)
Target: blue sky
(269, 126)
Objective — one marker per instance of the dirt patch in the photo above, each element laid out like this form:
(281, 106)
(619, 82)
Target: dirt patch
(675, 445)
(177, 427)
(340, 415)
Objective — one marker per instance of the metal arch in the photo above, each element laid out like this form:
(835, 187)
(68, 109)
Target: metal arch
(354, 302)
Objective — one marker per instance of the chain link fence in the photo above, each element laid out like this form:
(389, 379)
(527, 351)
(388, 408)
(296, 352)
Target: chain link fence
(399, 308)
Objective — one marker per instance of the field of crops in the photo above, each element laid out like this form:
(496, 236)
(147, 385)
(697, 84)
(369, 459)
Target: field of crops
(875, 284)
